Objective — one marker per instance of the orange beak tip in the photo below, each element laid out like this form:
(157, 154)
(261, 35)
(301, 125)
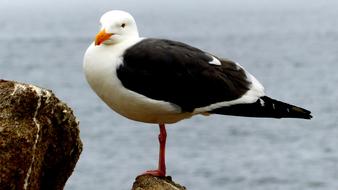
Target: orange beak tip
(101, 37)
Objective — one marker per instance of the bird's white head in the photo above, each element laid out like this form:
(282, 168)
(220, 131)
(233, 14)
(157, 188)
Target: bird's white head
(116, 26)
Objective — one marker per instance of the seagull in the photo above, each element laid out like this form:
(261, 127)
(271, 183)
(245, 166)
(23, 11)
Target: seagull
(163, 81)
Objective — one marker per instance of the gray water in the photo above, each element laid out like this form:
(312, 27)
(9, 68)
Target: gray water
(290, 46)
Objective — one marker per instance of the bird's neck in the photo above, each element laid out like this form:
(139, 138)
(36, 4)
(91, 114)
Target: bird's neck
(126, 43)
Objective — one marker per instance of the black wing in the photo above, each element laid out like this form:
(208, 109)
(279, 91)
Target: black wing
(180, 74)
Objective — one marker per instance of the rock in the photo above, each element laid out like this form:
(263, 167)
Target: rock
(39, 138)
(149, 182)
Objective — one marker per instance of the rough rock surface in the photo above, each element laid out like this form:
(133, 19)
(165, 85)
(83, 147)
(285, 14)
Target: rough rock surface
(39, 138)
(148, 182)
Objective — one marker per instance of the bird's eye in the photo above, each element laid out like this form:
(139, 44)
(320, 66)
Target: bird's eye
(123, 25)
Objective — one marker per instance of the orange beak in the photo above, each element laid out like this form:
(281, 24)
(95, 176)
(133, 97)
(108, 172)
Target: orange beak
(101, 37)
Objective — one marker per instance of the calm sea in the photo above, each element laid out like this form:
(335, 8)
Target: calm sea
(290, 46)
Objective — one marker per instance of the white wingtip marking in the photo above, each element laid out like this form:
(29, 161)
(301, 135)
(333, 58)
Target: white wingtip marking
(214, 61)
(262, 102)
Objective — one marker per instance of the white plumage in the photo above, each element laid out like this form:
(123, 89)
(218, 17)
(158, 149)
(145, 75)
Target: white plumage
(101, 62)
(162, 81)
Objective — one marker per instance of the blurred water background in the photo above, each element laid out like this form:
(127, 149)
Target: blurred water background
(290, 45)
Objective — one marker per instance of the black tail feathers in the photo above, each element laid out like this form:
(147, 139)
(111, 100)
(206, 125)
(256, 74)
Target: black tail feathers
(265, 107)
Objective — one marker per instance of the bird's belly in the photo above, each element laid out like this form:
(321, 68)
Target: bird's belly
(100, 63)
(138, 107)
(103, 80)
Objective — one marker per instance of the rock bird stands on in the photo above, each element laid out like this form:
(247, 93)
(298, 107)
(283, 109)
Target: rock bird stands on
(163, 81)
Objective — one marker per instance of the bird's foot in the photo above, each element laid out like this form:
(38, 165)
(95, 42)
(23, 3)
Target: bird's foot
(157, 173)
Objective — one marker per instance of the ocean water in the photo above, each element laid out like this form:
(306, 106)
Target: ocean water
(290, 46)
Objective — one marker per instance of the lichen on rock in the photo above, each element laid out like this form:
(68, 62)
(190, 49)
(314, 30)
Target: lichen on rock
(39, 138)
(149, 182)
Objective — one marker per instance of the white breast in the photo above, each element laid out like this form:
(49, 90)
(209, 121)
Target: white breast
(100, 63)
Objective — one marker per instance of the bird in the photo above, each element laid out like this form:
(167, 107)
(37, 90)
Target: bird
(162, 81)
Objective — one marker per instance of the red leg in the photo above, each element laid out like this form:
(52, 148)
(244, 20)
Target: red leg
(162, 137)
